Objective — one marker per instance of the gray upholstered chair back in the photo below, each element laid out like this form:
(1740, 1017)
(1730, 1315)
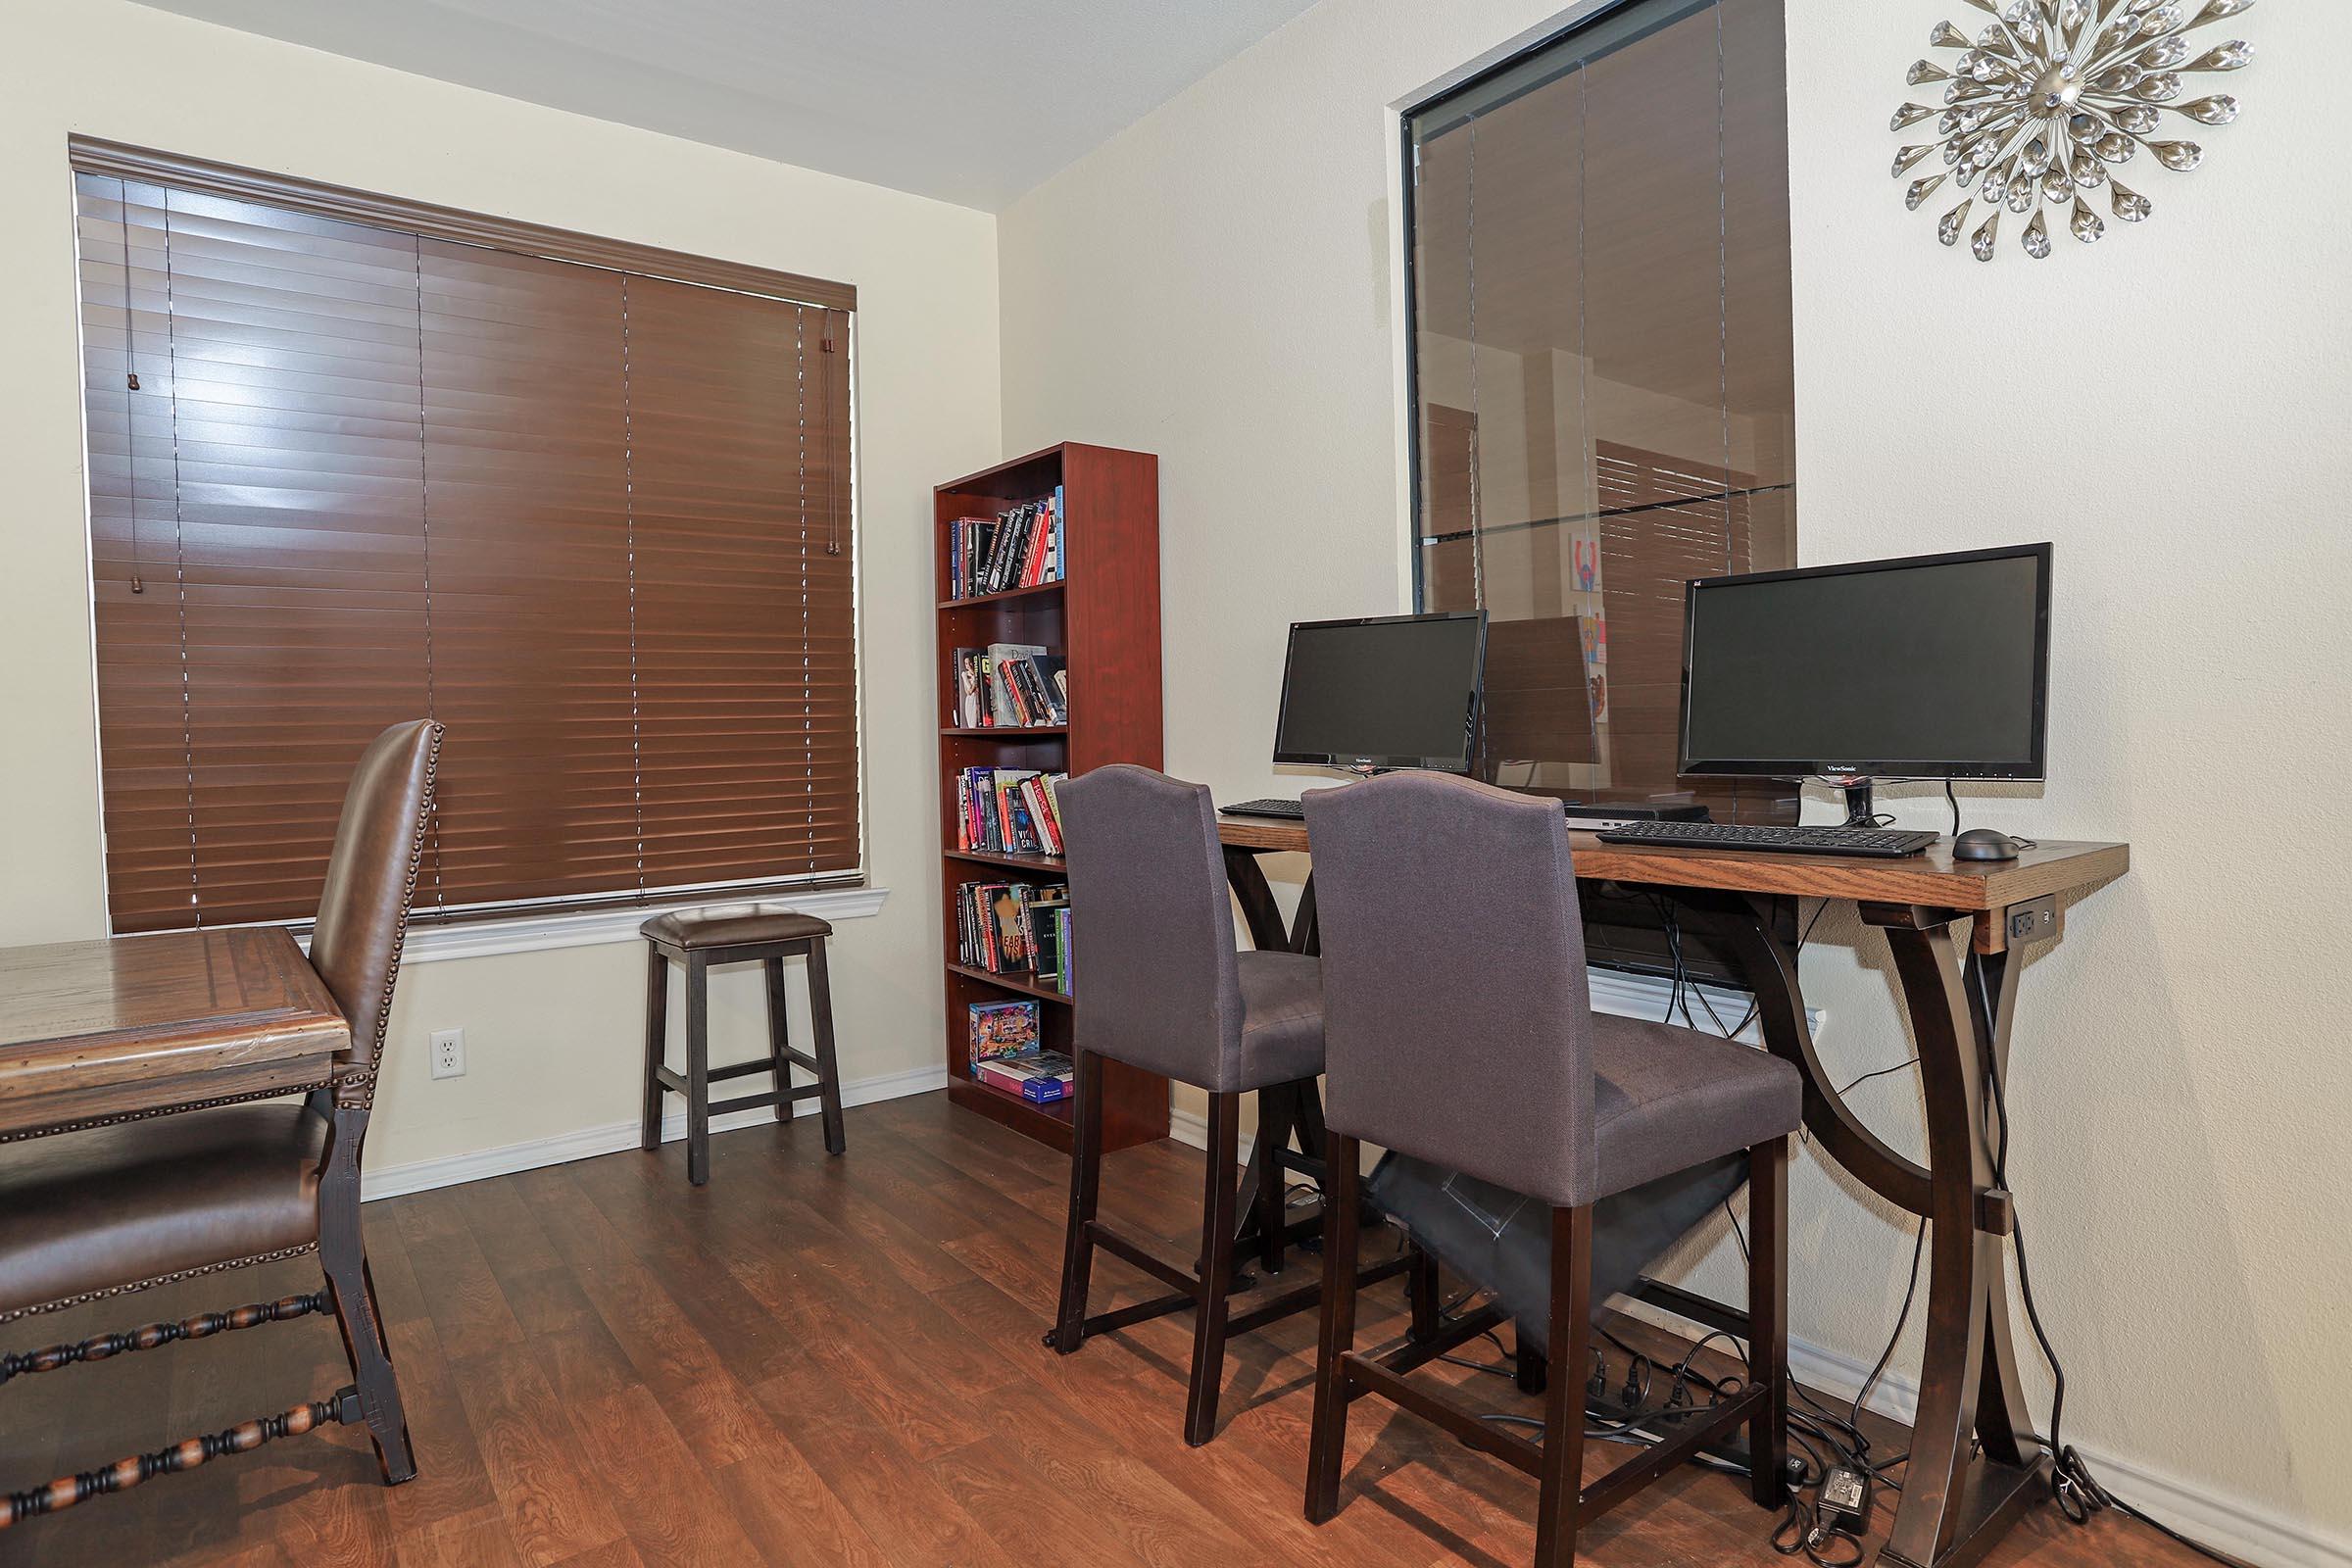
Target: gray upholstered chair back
(1456, 1017)
(1151, 924)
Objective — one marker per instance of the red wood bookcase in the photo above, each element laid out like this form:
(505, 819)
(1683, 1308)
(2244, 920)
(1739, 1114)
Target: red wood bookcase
(1104, 620)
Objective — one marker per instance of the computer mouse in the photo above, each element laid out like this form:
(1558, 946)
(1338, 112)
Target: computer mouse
(1983, 844)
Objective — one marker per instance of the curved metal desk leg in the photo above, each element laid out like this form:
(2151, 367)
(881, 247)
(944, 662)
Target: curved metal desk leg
(2004, 1421)
(1286, 1110)
(1954, 1508)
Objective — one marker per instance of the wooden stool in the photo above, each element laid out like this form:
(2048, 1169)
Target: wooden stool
(739, 933)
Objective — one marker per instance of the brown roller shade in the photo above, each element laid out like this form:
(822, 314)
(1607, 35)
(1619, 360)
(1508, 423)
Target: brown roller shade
(596, 522)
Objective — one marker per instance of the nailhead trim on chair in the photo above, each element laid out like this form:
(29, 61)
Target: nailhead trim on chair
(358, 1092)
(122, 1119)
(87, 1296)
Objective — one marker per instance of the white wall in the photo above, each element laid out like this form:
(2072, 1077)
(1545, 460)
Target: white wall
(553, 1038)
(1215, 284)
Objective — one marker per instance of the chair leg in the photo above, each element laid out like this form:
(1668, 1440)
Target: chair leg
(1328, 1443)
(1768, 1318)
(1085, 1192)
(779, 1038)
(1273, 1138)
(1529, 1368)
(656, 1043)
(1561, 1480)
(343, 1253)
(1421, 1292)
(698, 1070)
(1220, 1212)
(828, 1069)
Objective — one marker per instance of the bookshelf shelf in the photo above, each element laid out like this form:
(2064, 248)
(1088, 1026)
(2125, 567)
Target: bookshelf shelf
(1031, 592)
(1104, 618)
(992, 731)
(1054, 864)
(1021, 982)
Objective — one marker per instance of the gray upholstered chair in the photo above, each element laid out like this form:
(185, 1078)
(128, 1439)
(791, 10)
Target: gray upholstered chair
(1460, 1031)
(1161, 986)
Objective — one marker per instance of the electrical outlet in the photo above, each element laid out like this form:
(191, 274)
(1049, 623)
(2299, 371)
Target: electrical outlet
(449, 1052)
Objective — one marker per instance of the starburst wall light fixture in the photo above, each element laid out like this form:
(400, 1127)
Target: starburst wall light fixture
(2051, 95)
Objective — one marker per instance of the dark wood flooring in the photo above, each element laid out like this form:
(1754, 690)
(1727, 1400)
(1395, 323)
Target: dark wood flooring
(809, 1361)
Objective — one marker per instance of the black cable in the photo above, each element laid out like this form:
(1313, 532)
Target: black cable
(1918, 1246)
(2076, 1491)
(1955, 799)
(1909, 1061)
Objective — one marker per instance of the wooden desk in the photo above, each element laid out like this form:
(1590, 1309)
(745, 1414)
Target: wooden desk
(138, 1026)
(1960, 995)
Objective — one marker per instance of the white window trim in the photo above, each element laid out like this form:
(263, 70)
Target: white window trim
(592, 928)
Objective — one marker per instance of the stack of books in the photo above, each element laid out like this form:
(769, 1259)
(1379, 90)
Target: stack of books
(1015, 928)
(1008, 1053)
(1020, 548)
(1007, 811)
(1010, 685)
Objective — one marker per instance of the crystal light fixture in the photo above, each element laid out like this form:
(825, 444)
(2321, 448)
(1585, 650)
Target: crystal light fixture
(2039, 103)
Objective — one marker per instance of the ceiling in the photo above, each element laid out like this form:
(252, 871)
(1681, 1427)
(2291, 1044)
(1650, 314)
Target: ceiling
(970, 101)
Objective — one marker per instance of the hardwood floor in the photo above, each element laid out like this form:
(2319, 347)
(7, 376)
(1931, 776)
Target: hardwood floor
(809, 1361)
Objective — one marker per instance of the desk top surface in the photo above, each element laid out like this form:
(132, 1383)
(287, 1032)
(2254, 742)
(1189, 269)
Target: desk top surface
(77, 1012)
(1932, 878)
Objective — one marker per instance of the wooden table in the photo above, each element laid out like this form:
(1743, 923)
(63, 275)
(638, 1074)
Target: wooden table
(139, 1026)
(1960, 994)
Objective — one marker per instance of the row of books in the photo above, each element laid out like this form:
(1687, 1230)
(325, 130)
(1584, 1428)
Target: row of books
(1010, 685)
(1015, 928)
(1007, 811)
(1008, 1053)
(1019, 548)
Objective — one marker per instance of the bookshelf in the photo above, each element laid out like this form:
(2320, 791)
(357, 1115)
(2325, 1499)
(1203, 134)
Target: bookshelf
(1103, 620)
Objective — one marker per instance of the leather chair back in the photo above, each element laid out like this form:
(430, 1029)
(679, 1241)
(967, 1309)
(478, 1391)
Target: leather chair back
(1457, 1021)
(1151, 943)
(371, 876)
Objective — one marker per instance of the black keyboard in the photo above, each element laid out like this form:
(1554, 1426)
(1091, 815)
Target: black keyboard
(1291, 811)
(1884, 844)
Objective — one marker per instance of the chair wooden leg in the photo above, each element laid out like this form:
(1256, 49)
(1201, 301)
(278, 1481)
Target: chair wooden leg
(1085, 1192)
(1421, 1292)
(343, 1253)
(1560, 1482)
(1768, 1318)
(1220, 1212)
(1327, 1446)
(828, 1067)
(1529, 1367)
(1273, 1137)
(656, 1043)
(779, 1038)
(698, 1070)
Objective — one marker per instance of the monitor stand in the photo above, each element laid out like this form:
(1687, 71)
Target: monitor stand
(1859, 810)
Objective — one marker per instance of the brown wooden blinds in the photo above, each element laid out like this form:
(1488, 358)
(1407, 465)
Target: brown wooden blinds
(596, 522)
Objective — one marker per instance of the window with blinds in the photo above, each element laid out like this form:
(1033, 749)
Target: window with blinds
(353, 463)
(1601, 374)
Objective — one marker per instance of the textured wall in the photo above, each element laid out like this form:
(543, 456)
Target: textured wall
(1217, 284)
(553, 1038)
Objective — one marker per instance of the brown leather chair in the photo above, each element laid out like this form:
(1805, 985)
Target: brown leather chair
(1164, 988)
(1460, 1031)
(110, 1210)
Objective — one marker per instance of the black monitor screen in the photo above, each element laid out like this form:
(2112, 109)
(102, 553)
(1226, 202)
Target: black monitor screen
(1932, 666)
(1401, 692)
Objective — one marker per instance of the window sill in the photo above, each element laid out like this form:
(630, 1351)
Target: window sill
(489, 938)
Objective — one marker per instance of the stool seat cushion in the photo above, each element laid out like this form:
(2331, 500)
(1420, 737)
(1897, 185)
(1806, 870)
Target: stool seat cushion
(112, 1206)
(1666, 1099)
(1282, 1020)
(731, 925)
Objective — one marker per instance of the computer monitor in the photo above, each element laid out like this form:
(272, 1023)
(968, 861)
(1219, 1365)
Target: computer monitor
(1390, 692)
(1933, 667)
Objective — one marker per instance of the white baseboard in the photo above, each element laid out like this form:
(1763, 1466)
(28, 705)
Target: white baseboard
(391, 1181)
